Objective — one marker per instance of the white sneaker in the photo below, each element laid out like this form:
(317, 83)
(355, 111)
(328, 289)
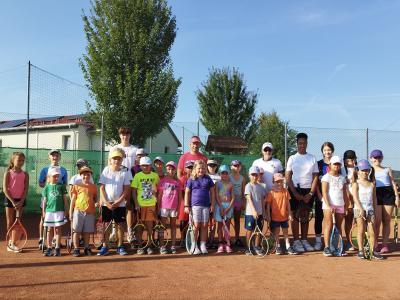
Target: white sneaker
(203, 248)
(318, 245)
(307, 246)
(196, 251)
(298, 247)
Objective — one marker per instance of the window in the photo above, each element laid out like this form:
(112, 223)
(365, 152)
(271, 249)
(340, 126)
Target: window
(166, 149)
(66, 142)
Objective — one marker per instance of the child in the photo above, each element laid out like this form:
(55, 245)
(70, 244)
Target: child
(55, 209)
(334, 195)
(255, 208)
(364, 195)
(223, 206)
(114, 187)
(184, 217)
(199, 190)
(144, 189)
(169, 197)
(212, 168)
(387, 197)
(159, 164)
(83, 209)
(54, 157)
(15, 187)
(238, 183)
(278, 213)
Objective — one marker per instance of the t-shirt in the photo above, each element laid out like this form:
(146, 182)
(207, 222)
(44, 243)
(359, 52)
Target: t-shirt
(200, 190)
(348, 174)
(130, 155)
(77, 179)
(188, 156)
(54, 197)
(257, 193)
(237, 187)
(279, 201)
(86, 196)
(335, 188)
(146, 185)
(215, 177)
(114, 182)
(171, 189)
(270, 167)
(302, 166)
(63, 178)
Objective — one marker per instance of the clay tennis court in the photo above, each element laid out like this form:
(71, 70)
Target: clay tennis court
(182, 276)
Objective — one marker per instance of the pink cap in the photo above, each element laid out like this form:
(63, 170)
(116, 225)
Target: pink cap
(278, 176)
(171, 163)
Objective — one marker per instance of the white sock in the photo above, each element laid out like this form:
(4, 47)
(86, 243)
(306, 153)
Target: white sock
(287, 243)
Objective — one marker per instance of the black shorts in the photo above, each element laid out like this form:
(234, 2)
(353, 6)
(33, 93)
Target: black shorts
(7, 202)
(294, 203)
(118, 214)
(385, 195)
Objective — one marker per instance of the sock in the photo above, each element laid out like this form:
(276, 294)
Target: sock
(318, 239)
(287, 243)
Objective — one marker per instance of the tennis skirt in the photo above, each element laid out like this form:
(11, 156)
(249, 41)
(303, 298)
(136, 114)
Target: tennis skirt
(54, 219)
(385, 195)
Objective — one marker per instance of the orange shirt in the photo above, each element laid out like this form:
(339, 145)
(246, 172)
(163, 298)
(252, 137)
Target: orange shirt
(279, 202)
(86, 196)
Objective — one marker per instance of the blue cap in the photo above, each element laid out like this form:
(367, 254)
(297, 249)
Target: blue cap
(363, 164)
(376, 153)
(223, 168)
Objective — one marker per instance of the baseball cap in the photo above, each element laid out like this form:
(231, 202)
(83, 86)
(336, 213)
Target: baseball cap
(189, 163)
(195, 139)
(267, 145)
(223, 168)
(212, 162)
(254, 170)
(235, 162)
(349, 154)
(116, 153)
(278, 176)
(54, 151)
(171, 163)
(159, 158)
(145, 160)
(140, 151)
(81, 162)
(53, 171)
(335, 160)
(363, 164)
(85, 169)
(376, 153)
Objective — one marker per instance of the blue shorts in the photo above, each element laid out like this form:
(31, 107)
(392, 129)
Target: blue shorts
(217, 212)
(250, 222)
(277, 224)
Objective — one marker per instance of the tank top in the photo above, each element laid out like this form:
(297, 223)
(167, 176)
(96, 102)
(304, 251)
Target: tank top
(237, 187)
(382, 178)
(16, 184)
(365, 195)
(223, 192)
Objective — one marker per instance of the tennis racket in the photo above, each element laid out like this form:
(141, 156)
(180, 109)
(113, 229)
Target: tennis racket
(160, 234)
(69, 244)
(43, 246)
(271, 239)
(190, 241)
(396, 226)
(16, 235)
(143, 239)
(258, 243)
(99, 233)
(303, 213)
(353, 235)
(368, 244)
(335, 241)
(225, 232)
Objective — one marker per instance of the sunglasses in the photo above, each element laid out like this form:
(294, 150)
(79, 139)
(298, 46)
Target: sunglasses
(236, 166)
(267, 150)
(191, 167)
(212, 165)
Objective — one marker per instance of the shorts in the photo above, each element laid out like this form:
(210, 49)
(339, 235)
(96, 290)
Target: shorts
(294, 204)
(129, 204)
(54, 219)
(182, 215)
(250, 222)
(369, 212)
(201, 214)
(217, 212)
(118, 214)
(7, 203)
(148, 213)
(385, 195)
(339, 209)
(277, 224)
(169, 213)
(83, 222)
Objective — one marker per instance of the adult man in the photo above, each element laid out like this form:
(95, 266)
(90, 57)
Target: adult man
(192, 154)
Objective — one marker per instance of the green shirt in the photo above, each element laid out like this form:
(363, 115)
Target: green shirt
(146, 184)
(54, 196)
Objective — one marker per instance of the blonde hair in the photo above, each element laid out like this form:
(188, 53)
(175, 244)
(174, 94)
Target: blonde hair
(196, 164)
(13, 156)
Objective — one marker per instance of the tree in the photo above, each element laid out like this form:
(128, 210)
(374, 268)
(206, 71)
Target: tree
(270, 128)
(128, 68)
(226, 107)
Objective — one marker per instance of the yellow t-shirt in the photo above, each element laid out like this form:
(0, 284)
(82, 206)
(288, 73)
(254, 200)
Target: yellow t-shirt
(86, 196)
(146, 185)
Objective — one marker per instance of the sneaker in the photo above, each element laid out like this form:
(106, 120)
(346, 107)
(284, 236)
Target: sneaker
(298, 247)
(140, 251)
(173, 250)
(327, 252)
(360, 255)
(378, 247)
(203, 249)
(344, 253)
(350, 247)
(291, 251)
(307, 246)
(247, 252)
(121, 250)
(220, 248)
(163, 250)
(228, 249)
(150, 251)
(13, 248)
(48, 252)
(57, 252)
(88, 252)
(377, 255)
(385, 249)
(196, 251)
(76, 252)
(279, 251)
(318, 245)
(259, 251)
(103, 251)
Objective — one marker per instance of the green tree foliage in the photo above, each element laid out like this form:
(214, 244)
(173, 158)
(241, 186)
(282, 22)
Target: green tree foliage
(227, 108)
(128, 68)
(270, 128)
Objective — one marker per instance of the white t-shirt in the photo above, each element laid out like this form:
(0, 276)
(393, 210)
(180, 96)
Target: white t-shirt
(114, 183)
(302, 166)
(257, 192)
(335, 188)
(270, 167)
(349, 177)
(77, 179)
(130, 153)
(215, 177)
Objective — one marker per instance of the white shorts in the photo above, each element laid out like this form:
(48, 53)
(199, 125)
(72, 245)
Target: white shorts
(54, 219)
(200, 214)
(169, 213)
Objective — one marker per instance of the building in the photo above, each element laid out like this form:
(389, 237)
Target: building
(72, 133)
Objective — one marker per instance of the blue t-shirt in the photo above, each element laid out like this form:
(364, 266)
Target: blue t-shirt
(62, 179)
(200, 190)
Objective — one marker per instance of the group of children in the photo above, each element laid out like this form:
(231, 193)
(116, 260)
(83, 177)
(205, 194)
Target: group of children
(210, 192)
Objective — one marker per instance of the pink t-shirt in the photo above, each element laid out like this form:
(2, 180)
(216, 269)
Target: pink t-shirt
(16, 184)
(188, 156)
(171, 189)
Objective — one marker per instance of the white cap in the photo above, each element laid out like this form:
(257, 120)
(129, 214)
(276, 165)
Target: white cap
(267, 145)
(254, 170)
(335, 160)
(53, 171)
(145, 160)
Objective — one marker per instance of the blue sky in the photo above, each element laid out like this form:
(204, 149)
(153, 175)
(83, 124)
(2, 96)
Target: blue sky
(317, 63)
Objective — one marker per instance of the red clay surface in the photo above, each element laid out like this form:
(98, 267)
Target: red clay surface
(182, 276)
